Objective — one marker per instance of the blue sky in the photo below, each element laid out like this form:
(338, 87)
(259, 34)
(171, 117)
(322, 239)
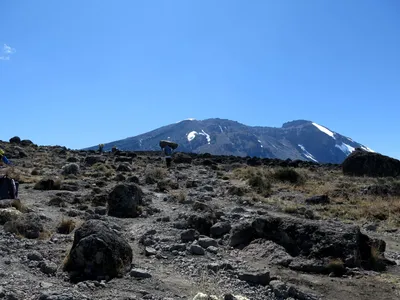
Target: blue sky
(77, 73)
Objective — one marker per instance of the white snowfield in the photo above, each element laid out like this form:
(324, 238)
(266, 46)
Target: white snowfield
(324, 130)
(191, 135)
(260, 144)
(306, 153)
(347, 149)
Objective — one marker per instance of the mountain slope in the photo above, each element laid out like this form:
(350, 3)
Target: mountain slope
(298, 139)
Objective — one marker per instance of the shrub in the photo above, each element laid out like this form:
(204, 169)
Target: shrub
(66, 226)
(260, 184)
(288, 175)
(70, 169)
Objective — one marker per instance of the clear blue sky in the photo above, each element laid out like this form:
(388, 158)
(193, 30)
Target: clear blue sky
(77, 73)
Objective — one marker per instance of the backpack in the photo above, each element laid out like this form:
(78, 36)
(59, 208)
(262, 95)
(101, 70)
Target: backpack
(8, 188)
(168, 151)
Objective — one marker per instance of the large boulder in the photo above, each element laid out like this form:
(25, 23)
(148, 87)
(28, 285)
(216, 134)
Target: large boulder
(363, 163)
(98, 253)
(29, 225)
(15, 140)
(312, 239)
(124, 201)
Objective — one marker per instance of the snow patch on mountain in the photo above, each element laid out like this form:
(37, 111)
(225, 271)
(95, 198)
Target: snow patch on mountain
(189, 119)
(260, 144)
(306, 153)
(191, 135)
(324, 130)
(206, 135)
(367, 149)
(347, 149)
(221, 129)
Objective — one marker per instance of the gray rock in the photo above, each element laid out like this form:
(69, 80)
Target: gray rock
(48, 267)
(196, 249)
(149, 251)
(207, 188)
(189, 235)
(219, 229)
(255, 277)
(140, 273)
(212, 249)
(220, 266)
(206, 242)
(178, 247)
(35, 256)
(241, 234)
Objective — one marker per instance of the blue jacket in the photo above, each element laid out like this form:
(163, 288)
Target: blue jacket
(5, 160)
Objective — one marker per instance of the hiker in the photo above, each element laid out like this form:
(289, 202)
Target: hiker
(3, 158)
(168, 155)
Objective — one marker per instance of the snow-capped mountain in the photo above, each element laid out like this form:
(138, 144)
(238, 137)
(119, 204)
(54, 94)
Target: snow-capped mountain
(298, 139)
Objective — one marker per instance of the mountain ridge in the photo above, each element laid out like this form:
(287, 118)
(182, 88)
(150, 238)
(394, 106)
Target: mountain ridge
(297, 139)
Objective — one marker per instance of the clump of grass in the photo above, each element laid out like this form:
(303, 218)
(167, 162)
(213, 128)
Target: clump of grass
(66, 226)
(153, 175)
(376, 259)
(336, 266)
(44, 235)
(288, 175)
(257, 178)
(48, 184)
(35, 172)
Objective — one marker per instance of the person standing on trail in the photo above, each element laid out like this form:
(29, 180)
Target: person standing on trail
(168, 155)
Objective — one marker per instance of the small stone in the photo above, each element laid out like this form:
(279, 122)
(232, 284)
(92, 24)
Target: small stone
(207, 242)
(212, 249)
(256, 277)
(196, 249)
(149, 251)
(220, 228)
(189, 235)
(140, 273)
(48, 267)
(35, 256)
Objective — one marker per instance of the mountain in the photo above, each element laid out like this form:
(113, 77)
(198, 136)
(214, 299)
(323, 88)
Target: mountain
(300, 139)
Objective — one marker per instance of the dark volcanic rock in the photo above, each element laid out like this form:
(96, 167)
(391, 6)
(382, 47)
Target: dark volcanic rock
(323, 199)
(241, 234)
(219, 229)
(255, 277)
(15, 140)
(97, 253)
(317, 240)
(124, 201)
(362, 163)
(182, 158)
(201, 222)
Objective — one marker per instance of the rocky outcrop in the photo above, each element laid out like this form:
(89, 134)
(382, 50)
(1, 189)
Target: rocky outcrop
(124, 201)
(312, 239)
(98, 253)
(363, 163)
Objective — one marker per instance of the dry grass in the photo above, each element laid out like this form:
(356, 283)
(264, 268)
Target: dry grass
(348, 201)
(66, 226)
(336, 266)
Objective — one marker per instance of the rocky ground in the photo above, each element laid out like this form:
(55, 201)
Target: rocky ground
(122, 226)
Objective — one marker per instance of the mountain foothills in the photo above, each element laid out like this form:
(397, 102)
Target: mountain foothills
(300, 139)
